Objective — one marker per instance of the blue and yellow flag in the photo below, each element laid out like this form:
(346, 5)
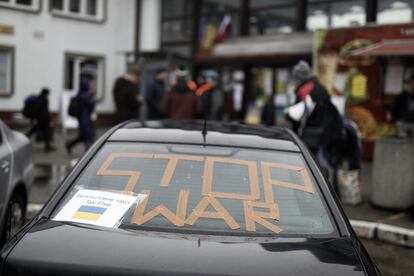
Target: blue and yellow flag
(86, 212)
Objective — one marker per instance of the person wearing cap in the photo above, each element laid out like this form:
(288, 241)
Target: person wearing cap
(126, 96)
(320, 127)
(181, 103)
(155, 94)
(42, 119)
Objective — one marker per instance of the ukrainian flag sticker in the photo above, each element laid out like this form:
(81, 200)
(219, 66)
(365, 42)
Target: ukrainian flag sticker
(90, 213)
(97, 207)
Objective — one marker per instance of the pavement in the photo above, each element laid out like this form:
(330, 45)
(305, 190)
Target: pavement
(369, 222)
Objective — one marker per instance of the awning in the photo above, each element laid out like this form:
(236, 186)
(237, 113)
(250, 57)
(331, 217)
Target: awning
(291, 44)
(395, 47)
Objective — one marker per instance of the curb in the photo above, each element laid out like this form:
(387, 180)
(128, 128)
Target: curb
(384, 232)
(364, 229)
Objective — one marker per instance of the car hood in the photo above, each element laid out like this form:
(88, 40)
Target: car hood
(56, 248)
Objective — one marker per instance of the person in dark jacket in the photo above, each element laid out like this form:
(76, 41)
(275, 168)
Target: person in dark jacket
(42, 119)
(211, 97)
(402, 112)
(181, 103)
(126, 96)
(155, 94)
(86, 128)
(321, 125)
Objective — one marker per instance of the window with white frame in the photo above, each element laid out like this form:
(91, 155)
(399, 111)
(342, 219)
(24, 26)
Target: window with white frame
(79, 9)
(6, 70)
(25, 5)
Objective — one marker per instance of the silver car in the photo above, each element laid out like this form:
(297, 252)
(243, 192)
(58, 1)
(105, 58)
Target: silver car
(16, 176)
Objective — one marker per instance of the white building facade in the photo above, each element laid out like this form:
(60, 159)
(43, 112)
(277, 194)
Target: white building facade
(52, 43)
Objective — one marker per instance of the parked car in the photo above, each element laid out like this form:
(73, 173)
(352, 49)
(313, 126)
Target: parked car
(16, 176)
(187, 198)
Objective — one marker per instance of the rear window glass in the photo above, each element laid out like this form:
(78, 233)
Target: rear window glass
(208, 189)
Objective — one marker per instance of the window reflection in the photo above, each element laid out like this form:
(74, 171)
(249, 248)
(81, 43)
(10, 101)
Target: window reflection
(335, 14)
(271, 21)
(391, 11)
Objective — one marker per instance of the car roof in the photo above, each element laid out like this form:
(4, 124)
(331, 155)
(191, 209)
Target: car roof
(217, 133)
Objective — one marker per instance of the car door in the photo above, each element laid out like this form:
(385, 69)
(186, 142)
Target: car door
(5, 167)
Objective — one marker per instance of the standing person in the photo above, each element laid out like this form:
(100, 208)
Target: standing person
(211, 96)
(42, 119)
(86, 106)
(155, 94)
(402, 111)
(126, 96)
(181, 103)
(320, 127)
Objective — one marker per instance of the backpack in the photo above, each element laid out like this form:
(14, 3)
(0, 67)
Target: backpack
(75, 107)
(30, 106)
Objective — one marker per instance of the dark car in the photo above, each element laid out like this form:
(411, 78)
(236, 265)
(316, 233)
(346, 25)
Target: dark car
(187, 198)
(16, 177)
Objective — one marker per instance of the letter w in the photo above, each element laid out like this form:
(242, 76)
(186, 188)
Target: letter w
(177, 219)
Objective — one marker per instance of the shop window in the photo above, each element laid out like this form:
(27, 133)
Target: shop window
(24, 5)
(6, 71)
(324, 14)
(92, 10)
(392, 11)
(177, 8)
(177, 30)
(85, 68)
(177, 26)
(272, 21)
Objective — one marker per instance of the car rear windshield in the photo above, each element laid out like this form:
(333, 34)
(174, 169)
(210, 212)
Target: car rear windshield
(207, 189)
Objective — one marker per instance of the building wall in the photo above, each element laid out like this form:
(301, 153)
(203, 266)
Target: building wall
(41, 41)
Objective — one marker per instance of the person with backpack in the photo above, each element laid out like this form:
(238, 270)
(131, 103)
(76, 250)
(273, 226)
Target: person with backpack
(321, 126)
(82, 107)
(36, 108)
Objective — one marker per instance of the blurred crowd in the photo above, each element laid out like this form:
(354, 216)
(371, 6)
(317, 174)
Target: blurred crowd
(173, 94)
(169, 95)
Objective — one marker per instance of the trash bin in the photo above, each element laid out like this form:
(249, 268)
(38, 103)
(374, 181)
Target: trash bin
(393, 173)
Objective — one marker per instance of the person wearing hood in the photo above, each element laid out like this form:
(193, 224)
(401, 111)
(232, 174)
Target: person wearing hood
(181, 103)
(42, 119)
(86, 128)
(320, 126)
(155, 94)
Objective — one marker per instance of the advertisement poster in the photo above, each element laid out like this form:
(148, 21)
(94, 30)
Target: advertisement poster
(355, 63)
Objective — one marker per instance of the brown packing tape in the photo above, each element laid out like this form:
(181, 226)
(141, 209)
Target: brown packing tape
(177, 219)
(199, 212)
(172, 164)
(133, 175)
(252, 217)
(208, 179)
(269, 182)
